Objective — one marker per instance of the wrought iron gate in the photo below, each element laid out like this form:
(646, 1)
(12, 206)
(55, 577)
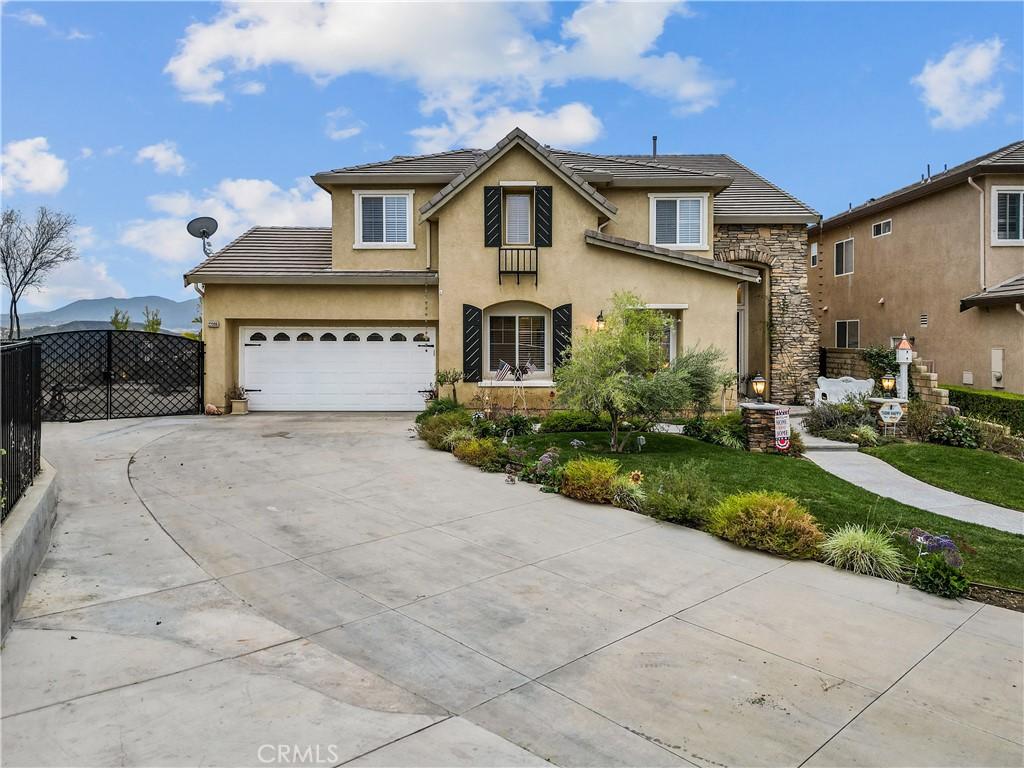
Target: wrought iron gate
(120, 374)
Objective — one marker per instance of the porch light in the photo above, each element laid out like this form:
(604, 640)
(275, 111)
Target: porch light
(759, 383)
(600, 320)
(888, 382)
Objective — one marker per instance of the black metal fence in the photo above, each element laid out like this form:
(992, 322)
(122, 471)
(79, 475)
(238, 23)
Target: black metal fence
(20, 418)
(119, 374)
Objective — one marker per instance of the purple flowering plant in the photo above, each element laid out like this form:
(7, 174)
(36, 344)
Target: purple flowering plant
(930, 544)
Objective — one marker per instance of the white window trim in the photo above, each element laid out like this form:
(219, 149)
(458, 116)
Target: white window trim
(505, 219)
(994, 216)
(703, 197)
(538, 379)
(852, 264)
(359, 194)
(517, 183)
(852, 320)
(878, 223)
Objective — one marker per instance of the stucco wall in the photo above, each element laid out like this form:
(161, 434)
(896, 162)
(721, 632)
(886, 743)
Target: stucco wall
(925, 266)
(570, 271)
(234, 306)
(792, 325)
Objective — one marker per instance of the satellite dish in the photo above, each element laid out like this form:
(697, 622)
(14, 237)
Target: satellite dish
(202, 227)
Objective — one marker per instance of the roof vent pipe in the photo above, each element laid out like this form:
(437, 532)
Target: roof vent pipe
(929, 168)
(654, 146)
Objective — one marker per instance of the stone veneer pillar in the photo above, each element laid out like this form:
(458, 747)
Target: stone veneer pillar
(759, 419)
(793, 327)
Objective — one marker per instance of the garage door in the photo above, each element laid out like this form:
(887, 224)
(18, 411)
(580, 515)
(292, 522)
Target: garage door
(337, 369)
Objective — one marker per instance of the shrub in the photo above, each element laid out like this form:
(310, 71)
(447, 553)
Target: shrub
(455, 436)
(573, 421)
(435, 407)
(772, 522)
(855, 548)
(833, 419)
(956, 431)
(864, 435)
(680, 494)
(434, 429)
(484, 452)
(590, 479)
(1002, 407)
(933, 574)
(628, 493)
(921, 418)
(727, 430)
(796, 443)
(542, 471)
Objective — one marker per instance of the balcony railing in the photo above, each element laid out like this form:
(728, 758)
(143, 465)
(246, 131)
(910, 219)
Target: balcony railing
(517, 261)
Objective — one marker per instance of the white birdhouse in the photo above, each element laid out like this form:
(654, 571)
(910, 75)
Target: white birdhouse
(904, 352)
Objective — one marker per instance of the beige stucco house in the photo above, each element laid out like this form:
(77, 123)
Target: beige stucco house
(474, 259)
(941, 260)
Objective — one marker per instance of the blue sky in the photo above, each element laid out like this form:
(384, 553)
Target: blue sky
(136, 117)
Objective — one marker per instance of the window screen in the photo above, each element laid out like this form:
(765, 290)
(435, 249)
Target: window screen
(396, 219)
(689, 221)
(1009, 215)
(517, 219)
(531, 342)
(373, 219)
(665, 230)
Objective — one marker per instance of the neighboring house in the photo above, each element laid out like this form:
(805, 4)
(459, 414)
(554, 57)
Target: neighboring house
(472, 259)
(941, 260)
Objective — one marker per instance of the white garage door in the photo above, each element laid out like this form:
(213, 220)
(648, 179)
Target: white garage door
(337, 369)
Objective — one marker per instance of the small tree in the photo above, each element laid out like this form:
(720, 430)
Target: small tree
(120, 320)
(30, 252)
(619, 371)
(150, 320)
(452, 376)
(702, 371)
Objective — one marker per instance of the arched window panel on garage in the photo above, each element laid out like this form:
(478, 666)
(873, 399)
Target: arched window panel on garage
(421, 337)
(351, 337)
(328, 337)
(304, 337)
(398, 337)
(282, 337)
(375, 337)
(257, 337)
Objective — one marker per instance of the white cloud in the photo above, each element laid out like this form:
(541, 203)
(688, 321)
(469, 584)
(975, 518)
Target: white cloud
(29, 165)
(470, 61)
(85, 153)
(236, 204)
(335, 128)
(251, 88)
(571, 125)
(164, 156)
(960, 89)
(30, 17)
(81, 279)
(84, 237)
(111, 151)
(77, 34)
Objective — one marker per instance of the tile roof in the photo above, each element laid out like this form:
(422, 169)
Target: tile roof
(1008, 159)
(1007, 292)
(288, 254)
(593, 237)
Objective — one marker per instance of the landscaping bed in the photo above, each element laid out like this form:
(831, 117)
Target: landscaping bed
(972, 473)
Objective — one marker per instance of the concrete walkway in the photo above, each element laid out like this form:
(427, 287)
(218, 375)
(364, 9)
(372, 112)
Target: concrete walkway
(846, 461)
(323, 589)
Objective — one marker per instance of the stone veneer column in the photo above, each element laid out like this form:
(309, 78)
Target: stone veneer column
(759, 419)
(794, 330)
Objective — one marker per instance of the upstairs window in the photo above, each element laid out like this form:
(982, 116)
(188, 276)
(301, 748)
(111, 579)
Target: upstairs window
(848, 334)
(881, 228)
(383, 220)
(844, 257)
(518, 206)
(814, 254)
(1008, 215)
(679, 221)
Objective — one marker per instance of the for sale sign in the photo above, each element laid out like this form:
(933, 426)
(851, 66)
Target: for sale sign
(782, 429)
(891, 412)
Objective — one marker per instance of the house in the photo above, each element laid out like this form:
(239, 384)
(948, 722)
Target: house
(474, 259)
(941, 260)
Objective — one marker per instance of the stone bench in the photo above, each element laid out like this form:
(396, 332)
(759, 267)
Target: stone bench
(842, 389)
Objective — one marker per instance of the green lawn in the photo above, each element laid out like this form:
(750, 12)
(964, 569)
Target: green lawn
(990, 556)
(978, 474)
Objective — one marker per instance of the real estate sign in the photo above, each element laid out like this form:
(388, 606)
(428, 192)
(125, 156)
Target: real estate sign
(891, 413)
(782, 429)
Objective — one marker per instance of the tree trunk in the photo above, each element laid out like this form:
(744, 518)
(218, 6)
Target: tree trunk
(615, 432)
(14, 319)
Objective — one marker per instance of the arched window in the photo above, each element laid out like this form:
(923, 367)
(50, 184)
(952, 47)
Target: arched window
(375, 337)
(282, 337)
(351, 337)
(304, 337)
(328, 337)
(421, 337)
(257, 337)
(398, 337)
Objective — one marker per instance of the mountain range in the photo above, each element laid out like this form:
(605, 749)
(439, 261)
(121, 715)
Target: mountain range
(175, 315)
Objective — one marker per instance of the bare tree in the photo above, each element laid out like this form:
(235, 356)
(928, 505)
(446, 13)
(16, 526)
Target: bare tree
(30, 252)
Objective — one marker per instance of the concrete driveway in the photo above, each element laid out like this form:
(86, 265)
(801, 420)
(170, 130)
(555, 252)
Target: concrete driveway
(318, 589)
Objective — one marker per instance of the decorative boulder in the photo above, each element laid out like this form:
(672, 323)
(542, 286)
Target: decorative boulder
(213, 410)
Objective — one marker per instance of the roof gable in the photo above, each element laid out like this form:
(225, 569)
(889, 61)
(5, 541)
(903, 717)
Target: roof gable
(517, 138)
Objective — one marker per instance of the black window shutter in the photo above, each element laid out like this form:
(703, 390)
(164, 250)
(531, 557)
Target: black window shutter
(542, 216)
(492, 217)
(472, 343)
(561, 333)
